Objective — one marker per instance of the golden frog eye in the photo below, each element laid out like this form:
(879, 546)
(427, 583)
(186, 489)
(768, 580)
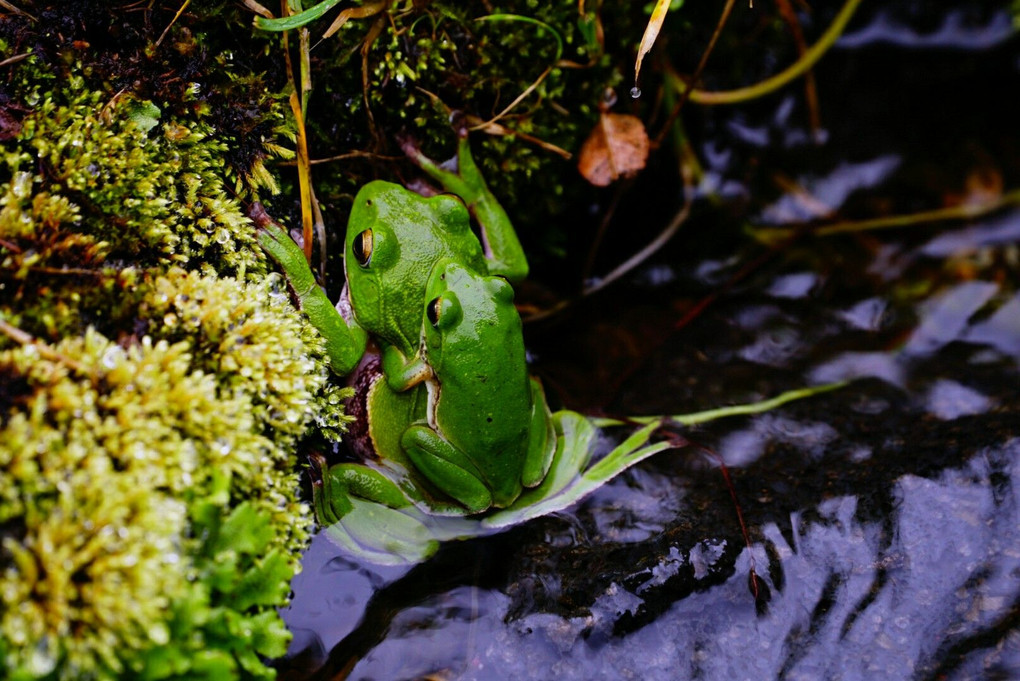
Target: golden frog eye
(433, 311)
(362, 248)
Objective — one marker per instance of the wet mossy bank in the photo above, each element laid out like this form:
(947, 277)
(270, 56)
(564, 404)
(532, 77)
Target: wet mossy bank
(153, 384)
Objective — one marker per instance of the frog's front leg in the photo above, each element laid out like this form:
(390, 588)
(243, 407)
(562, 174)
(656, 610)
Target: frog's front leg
(345, 341)
(502, 247)
(446, 467)
(403, 373)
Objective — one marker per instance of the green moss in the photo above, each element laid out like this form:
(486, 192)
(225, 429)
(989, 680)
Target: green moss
(154, 196)
(154, 384)
(107, 452)
(100, 464)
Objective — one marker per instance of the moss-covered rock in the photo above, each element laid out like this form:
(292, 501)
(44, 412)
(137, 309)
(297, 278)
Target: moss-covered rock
(154, 382)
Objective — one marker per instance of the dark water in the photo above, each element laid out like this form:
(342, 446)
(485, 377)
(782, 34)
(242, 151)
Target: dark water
(883, 519)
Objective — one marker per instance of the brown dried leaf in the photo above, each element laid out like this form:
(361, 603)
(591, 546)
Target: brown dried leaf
(651, 33)
(617, 147)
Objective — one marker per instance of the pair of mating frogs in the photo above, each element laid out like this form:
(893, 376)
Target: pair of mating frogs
(462, 436)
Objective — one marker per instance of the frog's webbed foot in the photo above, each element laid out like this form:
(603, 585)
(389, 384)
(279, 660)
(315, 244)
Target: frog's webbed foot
(402, 373)
(502, 247)
(282, 249)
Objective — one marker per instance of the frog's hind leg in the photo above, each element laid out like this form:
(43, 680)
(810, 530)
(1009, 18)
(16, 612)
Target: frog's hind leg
(334, 487)
(502, 246)
(446, 467)
(541, 439)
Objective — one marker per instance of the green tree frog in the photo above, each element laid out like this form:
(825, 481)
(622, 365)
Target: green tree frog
(394, 238)
(483, 432)
(488, 432)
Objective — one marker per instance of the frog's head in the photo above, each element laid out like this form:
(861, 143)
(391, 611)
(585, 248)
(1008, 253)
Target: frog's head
(467, 312)
(394, 239)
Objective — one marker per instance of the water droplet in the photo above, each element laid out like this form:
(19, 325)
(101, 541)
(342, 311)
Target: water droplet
(159, 634)
(41, 662)
(110, 357)
(635, 92)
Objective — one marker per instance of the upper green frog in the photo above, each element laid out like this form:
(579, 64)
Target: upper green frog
(394, 239)
(488, 432)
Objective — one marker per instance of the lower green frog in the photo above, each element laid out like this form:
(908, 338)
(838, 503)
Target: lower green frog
(488, 432)
(485, 431)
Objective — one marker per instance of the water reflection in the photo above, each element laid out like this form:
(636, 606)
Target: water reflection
(957, 30)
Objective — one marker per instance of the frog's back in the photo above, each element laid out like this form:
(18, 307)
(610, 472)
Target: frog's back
(484, 403)
(488, 386)
(493, 408)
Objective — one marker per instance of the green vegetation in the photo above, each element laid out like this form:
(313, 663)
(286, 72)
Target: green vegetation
(154, 383)
(526, 77)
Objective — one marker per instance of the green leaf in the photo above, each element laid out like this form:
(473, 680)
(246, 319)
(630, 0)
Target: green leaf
(270, 636)
(265, 584)
(245, 530)
(212, 664)
(296, 20)
(145, 115)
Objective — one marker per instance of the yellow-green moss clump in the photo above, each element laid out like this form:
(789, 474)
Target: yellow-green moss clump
(163, 179)
(153, 384)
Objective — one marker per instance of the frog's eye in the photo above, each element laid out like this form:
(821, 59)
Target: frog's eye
(433, 311)
(444, 311)
(501, 288)
(362, 247)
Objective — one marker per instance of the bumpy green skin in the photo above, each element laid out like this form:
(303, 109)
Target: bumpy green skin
(475, 445)
(408, 235)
